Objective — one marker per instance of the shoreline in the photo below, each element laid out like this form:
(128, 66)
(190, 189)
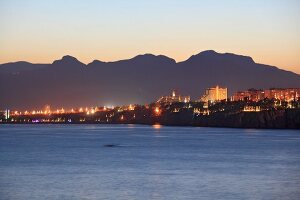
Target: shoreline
(142, 124)
(267, 119)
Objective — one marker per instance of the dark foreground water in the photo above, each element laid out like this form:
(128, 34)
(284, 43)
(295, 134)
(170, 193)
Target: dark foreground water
(73, 162)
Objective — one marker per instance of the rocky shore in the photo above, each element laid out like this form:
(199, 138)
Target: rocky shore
(273, 119)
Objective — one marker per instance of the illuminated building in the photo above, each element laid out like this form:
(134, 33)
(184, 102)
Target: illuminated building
(7, 112)
(250, 95)
(92, 111)
(214, 94)
(130, 107)
(252, 109)
(157, 111)
(287, 94)
(174, 98)
(47, 109)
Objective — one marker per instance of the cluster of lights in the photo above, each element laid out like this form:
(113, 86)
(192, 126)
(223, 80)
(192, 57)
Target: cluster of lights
(34, 112)
(88, 111)
(252, 109)
(131, 107)
(157, 111)
(91, 111)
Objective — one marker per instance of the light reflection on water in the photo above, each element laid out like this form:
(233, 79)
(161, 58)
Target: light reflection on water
(156, 126)
(147, 162)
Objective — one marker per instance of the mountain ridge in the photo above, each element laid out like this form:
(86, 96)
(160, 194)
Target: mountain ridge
(68, 82)
(69, 58)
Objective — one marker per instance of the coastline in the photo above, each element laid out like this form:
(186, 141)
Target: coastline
(275, 119)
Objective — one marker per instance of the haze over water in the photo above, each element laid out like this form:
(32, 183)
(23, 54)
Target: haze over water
(148, 162)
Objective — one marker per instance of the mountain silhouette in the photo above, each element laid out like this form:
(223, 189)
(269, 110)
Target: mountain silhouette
(67, 60)
(142, 79)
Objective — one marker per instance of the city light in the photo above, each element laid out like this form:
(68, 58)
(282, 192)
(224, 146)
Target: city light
(251, 109)
(173, 104)
(157, 111)
(156, 126)
(130, 107)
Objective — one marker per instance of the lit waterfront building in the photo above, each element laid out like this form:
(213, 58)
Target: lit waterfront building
(251, 109)
(7, 114)
(174, 98)
(250, 94)
(47, 109)
(214, 94)
(287, 94)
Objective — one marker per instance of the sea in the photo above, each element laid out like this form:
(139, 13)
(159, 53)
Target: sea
(143, 162)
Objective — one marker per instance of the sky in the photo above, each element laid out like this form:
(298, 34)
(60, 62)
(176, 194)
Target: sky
(41, 31)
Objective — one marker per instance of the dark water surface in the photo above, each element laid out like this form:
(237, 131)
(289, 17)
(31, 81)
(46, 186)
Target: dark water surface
(80, 162)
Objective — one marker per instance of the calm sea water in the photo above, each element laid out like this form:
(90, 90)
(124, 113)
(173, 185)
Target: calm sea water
(149, 162)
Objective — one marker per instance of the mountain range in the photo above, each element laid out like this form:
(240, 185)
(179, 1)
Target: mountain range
(67, 82)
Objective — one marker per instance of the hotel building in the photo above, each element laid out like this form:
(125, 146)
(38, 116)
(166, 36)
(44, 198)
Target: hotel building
(251, 94)
(214, 94)
(287, 94)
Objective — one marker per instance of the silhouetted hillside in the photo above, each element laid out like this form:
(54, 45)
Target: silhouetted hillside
(69, 83)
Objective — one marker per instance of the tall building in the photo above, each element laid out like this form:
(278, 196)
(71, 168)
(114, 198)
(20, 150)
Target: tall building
(7, 113)
(174, 97)
(214, 94)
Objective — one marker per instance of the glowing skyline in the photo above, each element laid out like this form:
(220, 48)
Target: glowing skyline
(43, 31)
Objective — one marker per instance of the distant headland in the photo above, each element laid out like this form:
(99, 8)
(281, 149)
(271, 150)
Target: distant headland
(253, 108)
